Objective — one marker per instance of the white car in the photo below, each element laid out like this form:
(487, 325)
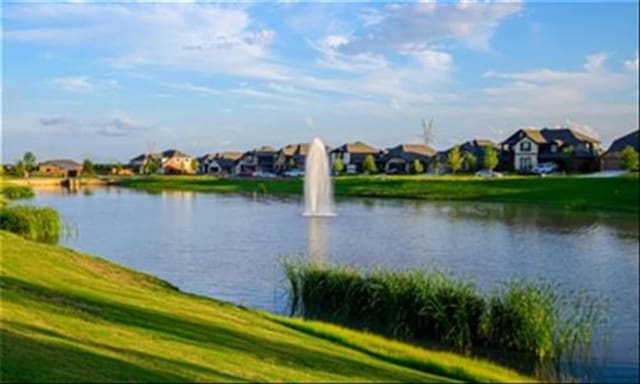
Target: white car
(264, 175)
(293, 173)
(488, 173)
(544, 168)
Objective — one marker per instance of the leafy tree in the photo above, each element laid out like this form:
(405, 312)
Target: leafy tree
(338, 165)
(470, 160)
(567, 152)
(20, 169)
(369, 164)
(194, 164)
(417, 166)
(29, 161)
(454, 159)
(118, 168)
(151, 166)
(292, 163)
(630, 159)
(490, 160)
(88, 168)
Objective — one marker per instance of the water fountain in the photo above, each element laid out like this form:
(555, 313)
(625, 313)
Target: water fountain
(318, 192)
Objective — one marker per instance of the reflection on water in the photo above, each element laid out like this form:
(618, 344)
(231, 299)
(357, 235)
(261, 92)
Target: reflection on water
(228, 246)
(318, 249)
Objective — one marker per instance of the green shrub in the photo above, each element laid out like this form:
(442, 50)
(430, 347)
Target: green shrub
(13, 192)
(32, 223)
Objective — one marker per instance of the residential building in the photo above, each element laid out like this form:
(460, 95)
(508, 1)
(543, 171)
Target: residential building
(401, 158)
(257, 160)
(141, 162)
(222, 163)
(60, 168)
(612, 158)
(353, 155)
(568, 148)
(291, 156)
(472, 152)
(175, 162)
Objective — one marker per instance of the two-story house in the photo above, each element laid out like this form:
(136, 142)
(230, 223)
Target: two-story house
(569, 149)
(612, 159)
(291, 156)
(401, 158)
(221, 164)
(353, 155)
(257, 160)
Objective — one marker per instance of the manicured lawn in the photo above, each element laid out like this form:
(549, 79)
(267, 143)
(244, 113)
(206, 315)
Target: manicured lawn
(67, 316)
(619, 194)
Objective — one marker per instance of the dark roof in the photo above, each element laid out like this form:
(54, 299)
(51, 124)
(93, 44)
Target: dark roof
(233, 156)
(358, 148)
(629, 140)
(144, 156)
(62, 163)
(173, 153)
(567, 136)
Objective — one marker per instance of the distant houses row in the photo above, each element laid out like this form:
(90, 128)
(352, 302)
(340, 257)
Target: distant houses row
(570, 149)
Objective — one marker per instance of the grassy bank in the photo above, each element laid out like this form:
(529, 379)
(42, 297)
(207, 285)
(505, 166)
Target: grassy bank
(67, 316)
(619, 194)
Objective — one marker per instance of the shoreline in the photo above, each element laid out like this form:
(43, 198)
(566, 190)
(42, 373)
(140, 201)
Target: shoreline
(617, 195)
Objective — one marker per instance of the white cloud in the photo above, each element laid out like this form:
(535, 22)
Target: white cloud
(80, 84)
(198, 89)
(632, 65)
(595, 62)
(334, 41)
(117, 125)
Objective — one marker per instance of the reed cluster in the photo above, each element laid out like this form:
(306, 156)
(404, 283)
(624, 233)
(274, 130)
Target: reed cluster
(433, 306)
(13, 192)
(32, 223)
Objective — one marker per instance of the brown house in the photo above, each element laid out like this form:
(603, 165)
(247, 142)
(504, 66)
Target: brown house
(59, 168)
(612, 159)
(353, 155)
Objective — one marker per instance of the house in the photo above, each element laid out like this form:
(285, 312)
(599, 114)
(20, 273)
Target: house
(353, 155)
(60, 168)
(221, 164)
(568, 148)
(401, 158)
(257, 160)
(291, 156)
(612, 158)
(175, 162)
(472, 153)
(141, 162)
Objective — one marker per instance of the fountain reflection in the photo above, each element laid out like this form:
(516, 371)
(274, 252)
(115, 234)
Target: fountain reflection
(318, 239)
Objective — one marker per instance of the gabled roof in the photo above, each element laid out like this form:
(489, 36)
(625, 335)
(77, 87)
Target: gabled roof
(535, 135)
(173, 153)
(629, 140)
(234, 156)
(419, 149)
(358, 147)
(567, 136)
(62, 163)
(264, 149)
(144, 156)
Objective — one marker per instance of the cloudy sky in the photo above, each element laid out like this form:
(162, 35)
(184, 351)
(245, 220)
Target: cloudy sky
(111, 80)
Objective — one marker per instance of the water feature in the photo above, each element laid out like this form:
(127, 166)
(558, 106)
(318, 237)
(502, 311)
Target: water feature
(229, 246)
(318, 192)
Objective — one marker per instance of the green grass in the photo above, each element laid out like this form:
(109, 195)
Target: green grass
(67, 316)
(12, 192)
(619, 194)
(429, 305)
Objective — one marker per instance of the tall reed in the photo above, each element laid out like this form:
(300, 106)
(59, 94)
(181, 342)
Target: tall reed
(33, 223)
(430, 305)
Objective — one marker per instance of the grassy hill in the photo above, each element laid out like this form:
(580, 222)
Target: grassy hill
(67, 316)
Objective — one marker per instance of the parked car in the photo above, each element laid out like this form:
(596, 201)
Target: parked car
(263, 175)
(544, 168)
(488, 173)
(293, 173)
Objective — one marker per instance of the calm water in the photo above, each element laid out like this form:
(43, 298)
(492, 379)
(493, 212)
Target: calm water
(228, 247)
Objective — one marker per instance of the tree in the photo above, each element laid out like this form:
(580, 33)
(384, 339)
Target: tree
(470, 160)
(454, 159)
(369, 164)
(194, 164)
(88, 168)
(338, 165)
(29, 161)
(20, 169)
(417, 166)
(567, 152)
(630, 159)
(292, 163)
(490, 160)
(152, 166)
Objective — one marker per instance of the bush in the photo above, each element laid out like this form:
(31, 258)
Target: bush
(32, 223)
(13, 192)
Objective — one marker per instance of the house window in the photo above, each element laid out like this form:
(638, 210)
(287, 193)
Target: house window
(525, 146)
(554, 148)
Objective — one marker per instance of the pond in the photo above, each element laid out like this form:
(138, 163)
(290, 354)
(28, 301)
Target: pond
(229, 246)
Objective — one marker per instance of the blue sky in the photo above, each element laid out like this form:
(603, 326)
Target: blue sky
(110, 80)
